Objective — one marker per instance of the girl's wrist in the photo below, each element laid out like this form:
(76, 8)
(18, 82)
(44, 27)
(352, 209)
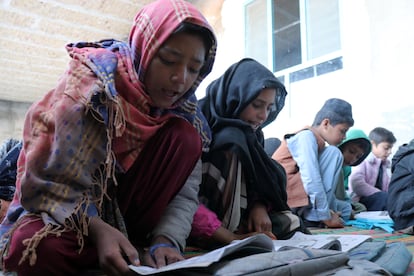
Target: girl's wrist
(154, 247)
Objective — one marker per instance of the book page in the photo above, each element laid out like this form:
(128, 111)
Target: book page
(349, 242)
(260, 241)
(302, 240)
(380, 216)
(322, 241)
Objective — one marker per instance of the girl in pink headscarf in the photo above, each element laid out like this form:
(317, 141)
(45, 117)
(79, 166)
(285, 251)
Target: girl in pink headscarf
(111, 156)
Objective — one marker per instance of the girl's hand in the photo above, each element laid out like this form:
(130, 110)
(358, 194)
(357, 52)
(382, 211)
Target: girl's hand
(112, 246)
(162, 253)
(259, 220)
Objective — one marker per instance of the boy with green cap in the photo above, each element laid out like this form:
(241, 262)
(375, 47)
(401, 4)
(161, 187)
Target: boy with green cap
(355, 148)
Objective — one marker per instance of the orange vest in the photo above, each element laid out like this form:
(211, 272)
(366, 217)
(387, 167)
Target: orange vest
(296, 193)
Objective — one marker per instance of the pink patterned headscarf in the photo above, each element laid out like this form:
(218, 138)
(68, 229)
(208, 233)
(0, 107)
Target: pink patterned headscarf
(152, 26)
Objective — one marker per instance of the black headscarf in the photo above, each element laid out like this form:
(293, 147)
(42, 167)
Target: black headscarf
(225, 99)
(9, 153)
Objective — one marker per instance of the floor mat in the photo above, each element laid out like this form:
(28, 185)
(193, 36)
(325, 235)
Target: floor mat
(376, 234)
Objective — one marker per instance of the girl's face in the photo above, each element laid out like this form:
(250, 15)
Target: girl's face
(255, 114)
(352, 152)
(174, 69)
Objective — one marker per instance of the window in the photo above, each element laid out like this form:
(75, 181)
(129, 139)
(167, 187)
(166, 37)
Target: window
(256, 31)
(286, 34)
(301, 31)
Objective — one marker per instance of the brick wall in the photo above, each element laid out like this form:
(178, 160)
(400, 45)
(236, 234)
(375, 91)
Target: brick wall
(12, 118)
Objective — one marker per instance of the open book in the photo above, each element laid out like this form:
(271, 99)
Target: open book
(343, 243)
(259, 244)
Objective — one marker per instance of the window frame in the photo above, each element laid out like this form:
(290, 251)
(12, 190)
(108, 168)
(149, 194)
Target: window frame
(306, 62)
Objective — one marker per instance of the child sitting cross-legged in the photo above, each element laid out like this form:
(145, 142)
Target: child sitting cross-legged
(243, 189)
(313, 168)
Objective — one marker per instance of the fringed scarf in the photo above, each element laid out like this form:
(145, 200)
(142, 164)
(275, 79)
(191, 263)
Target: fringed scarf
(95, 121)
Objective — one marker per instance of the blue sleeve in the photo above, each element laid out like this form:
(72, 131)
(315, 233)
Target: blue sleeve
(304, 149)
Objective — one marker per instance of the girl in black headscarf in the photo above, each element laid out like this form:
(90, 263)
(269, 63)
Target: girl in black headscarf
(242, 188)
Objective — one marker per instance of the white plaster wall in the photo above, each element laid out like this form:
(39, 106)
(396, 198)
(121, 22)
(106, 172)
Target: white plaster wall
(377, 39)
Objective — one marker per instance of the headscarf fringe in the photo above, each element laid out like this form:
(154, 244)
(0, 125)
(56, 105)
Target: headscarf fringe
(117, 122)
(80, 224)
(98, 181)
(119, 119)
(115, 111)
(32, 242)
(6, 237)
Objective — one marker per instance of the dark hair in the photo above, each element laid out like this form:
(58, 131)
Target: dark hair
(380, 134)
(204, 33)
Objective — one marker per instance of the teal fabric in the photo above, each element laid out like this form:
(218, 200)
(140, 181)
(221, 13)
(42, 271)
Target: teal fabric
(363, 223)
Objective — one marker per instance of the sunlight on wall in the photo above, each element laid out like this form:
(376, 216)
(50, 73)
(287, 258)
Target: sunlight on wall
(376, 75)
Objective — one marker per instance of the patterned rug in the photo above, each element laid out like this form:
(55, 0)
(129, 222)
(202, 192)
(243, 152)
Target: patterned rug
(376, 234)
